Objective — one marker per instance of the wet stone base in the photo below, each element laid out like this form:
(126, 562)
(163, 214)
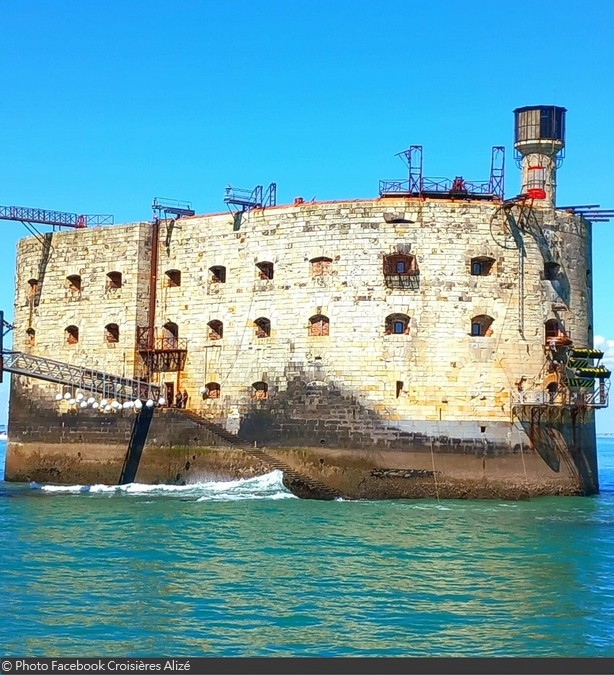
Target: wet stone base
(354, 474)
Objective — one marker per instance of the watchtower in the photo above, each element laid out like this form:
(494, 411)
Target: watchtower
(539, 140)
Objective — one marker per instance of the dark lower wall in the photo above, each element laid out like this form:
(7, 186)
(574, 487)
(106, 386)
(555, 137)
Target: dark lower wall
(327, 436)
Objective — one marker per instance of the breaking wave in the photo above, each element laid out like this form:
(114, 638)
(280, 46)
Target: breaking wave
(267, 486)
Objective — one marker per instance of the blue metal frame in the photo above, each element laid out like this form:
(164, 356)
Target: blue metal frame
(245, 199)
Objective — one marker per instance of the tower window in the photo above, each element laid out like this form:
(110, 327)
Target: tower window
(319, 325)
(263, 327)
(114, 281)
(74, 283)
(551, 271)
(173, 278)
(319, 267)
(213, 390)
(71, 334)
(216, 330)
(33, 287)
(553, 329)
(170, 335)
(111, 333)
(30, 337)
(401, 264)
(481, 325)
(396, 324)
(217, 274)
(399, 388)
(265, 270)
(260, 390)
(482, 266)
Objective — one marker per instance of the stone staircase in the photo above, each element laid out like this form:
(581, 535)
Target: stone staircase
(301, 485)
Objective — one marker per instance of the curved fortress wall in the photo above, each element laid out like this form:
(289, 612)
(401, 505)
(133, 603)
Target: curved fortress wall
(351, 353)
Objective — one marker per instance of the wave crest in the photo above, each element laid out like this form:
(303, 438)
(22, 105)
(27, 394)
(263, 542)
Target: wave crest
(267, 486)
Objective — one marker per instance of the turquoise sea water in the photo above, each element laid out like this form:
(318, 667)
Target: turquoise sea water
(244, 569)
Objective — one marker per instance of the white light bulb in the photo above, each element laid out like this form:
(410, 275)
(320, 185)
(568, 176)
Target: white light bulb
(161, 401)
(79, 397)
(107, 408)
(149, 403)
(202, 390)
(67, 396)
(71, 401)
(91, 400)
(58, 397)
(104, 402)
(83, 404)
(95, 405)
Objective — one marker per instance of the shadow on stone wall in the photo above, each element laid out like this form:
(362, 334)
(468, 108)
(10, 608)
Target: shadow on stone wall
(564, 436)
(316, 413)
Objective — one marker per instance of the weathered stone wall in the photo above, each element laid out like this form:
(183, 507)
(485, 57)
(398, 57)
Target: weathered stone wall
(447, 374)
(341, 388)
(90, 254)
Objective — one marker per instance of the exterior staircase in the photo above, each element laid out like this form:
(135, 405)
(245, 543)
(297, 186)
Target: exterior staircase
(299, 484)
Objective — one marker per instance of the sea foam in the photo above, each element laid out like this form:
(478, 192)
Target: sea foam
(267, 486)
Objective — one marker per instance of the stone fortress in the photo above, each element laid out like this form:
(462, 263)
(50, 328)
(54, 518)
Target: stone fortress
(418, 344)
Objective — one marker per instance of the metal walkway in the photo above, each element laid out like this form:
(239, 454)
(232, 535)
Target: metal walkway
(87, 379)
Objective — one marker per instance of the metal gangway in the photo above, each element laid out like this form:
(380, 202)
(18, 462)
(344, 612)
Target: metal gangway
(87, 379)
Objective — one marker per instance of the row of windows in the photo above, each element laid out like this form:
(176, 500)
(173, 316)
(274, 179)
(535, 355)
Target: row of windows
(394, 265)
(260, 390)
(114, 280)
(319, 326)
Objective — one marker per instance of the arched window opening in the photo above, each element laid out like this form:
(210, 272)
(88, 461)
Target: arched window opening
(551, 271)
(481, 325)
(319, 325)
(217, 274)
(30, 337)
(212, 390)
(263, 327)
(482, 266)
(33, 287)
(320, 267)
(74, 283)
(114, 281)
(400, 264)
(111, 333)
(71, 334)
(554, 329)
(172, 278)
(397, 324)
(265, 270)
(216, 330)
(399, 387)
(260, 390)
(170, 335)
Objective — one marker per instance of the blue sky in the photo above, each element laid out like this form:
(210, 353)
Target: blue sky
(108, 104)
